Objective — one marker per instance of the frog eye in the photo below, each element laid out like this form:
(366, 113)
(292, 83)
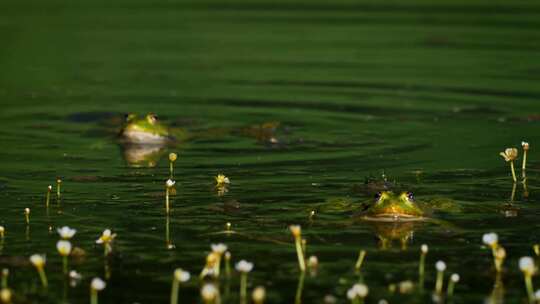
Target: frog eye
(410, 196)
(129, 117)
(378, 196)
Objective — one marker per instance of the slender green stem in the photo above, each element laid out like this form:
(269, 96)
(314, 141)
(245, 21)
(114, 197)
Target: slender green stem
(65, 264)
(524, 165)
(450, 291)
(58, 190)
(360, 260)
(171, 169)
(48, 198)
(439, 282)
(529, 287)
(421, 270)
(217, 267)
(43, 277)
(513, 195)
(513, 171)
(228, 268)
(174, 291)
(300, 254)
(93, 296)
(243, 287)
(299, 288)
(167, 199)
(4, 280)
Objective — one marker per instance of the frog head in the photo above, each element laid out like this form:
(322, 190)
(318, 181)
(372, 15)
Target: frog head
(144, 130)
(394, 206)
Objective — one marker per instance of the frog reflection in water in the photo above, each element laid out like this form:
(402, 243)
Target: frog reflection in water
(393, 215)
(145, 138)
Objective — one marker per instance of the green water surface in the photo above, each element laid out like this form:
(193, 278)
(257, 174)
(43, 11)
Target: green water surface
(426, 92)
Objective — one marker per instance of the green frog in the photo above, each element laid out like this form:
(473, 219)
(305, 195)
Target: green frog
(393, 207)
(145, 130)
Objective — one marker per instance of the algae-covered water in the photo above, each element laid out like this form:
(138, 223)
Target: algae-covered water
(425, 93)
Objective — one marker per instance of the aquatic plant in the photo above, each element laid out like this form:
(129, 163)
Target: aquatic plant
(5, 295)
(421, 265)
(498, 252)
(58, 185)
(454, 278)
(526, 265)
(509, 155)
(360, 260)
(210, 266)
(168, 186)
(172, 159)
(357, 293)
(27, 215)
(219, 250)
(296, 231)
(244, 267)
(64, 249)
(74, 278)
(5, 276)
(227, 256)
(440, 266)
(209, 293)
(180, 276)
(222, 180)
(66, 233)
(106, 238)
(525, 147)
(2, 232)
(258, 295)
(48, 196)
(39, 261)
(96, 286)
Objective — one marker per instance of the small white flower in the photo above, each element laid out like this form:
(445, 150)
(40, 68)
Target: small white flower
(66, 233)
(313, 262)
(526, 264)
(26, 211)
(361, 290)
(490, 239)
(209, 292)
(244, 266)
(49, 188)
(38, 260)
(351, 294)
(170, 183)
(74, 275)
(537, 295)
(219, 248)
(525, 145)
(64, 247)
(2, 230)
(454, 277)
(424, 248)
(181, 275)
(106, 237)
(440, 266)
(97, 284)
